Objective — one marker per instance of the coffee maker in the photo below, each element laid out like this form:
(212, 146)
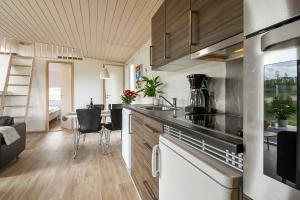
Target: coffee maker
(199, 99)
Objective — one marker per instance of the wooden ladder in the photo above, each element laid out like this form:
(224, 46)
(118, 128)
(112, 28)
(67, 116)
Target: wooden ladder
(20, 67)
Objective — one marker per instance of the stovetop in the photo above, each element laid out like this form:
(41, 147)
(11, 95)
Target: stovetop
(230, 124)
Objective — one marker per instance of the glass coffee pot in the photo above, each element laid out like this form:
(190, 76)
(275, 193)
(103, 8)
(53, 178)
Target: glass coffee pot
(198, 97)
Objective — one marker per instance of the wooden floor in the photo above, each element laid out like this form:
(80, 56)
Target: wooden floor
(55, 125)
(46, 170)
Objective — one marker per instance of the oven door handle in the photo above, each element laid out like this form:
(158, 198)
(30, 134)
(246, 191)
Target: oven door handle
(155, 163)
(280, 35)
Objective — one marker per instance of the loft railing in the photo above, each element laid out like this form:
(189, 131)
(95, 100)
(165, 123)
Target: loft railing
(37, 49)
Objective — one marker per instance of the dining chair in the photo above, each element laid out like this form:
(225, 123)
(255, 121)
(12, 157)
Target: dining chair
(114, 125)
(99, 106)
(115, 106)
(89, 121)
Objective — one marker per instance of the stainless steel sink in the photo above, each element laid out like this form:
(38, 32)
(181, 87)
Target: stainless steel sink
(158, 108)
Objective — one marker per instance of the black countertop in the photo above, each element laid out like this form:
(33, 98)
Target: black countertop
(220, 139)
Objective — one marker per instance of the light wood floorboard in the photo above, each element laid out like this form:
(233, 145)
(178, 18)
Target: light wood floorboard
(46, 170)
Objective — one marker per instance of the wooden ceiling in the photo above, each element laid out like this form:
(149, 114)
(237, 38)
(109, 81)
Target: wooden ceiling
(111, 30)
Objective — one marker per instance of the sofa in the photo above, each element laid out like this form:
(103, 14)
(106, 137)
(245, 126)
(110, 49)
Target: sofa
(10, 152)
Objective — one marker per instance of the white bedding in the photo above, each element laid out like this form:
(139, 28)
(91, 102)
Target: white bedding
(53, 109)
(54, 112)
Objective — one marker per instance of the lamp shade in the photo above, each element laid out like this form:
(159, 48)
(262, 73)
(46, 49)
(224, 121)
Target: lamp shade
(104, 74)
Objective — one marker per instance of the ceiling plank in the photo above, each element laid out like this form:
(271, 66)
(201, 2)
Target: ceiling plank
(103, 29)
(15, 5)
(71, 23)
(13, 22)
(55, 15)
(77, 14)
(111, 10)
(52, 23)
(93, 17)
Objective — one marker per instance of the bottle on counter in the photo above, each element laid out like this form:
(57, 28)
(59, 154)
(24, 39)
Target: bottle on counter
(91, 103)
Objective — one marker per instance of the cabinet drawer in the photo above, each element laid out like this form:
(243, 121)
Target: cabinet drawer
(152, 181)
(137, 117)
(153, 125)
(151, 137)
(137, 130)
(149, 193)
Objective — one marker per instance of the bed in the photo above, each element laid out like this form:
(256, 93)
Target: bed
(54, 113)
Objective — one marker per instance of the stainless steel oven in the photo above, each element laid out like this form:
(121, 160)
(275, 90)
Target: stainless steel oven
(271, 107)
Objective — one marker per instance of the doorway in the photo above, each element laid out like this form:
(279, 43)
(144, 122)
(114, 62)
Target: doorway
(114, 86)
(59, 101)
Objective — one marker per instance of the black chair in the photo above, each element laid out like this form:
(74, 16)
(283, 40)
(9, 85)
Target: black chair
(287, 155)
(115, 106)
(89, 121)
(99, 106)
(114, 125)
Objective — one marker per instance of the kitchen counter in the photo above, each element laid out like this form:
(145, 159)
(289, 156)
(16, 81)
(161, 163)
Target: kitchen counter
(221, 139)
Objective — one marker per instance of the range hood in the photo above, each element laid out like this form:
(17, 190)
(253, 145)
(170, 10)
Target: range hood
(229, 49)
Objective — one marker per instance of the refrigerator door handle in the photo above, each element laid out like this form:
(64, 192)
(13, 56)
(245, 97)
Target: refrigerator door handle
(154, 167)
(280, 35)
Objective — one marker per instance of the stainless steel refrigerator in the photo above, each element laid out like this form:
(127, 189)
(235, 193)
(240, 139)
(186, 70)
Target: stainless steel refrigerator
(271, 92)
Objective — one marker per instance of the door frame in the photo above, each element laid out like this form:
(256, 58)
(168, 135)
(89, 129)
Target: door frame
(48, 62)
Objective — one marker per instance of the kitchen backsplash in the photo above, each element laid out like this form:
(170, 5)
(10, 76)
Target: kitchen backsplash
(176, 83)
(234, 87)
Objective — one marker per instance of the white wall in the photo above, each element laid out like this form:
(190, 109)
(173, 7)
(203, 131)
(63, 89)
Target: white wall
(176, 83)
(87, 83)
(115, 85)
(4, 60)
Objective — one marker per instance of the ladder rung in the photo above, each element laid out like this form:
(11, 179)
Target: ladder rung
(22, 57)
(19, 117)
(18, 85)
(27, 75)
(15, 106)
(18, 65)
(16, 95)
(7, 53)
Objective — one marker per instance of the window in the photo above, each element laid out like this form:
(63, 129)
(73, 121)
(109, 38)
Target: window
(55, 94)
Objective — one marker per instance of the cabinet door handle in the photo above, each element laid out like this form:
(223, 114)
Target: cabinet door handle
(154, 159)
(148, 146)
(191, 13)
(151, 54)
(149, 190)
(165, 45)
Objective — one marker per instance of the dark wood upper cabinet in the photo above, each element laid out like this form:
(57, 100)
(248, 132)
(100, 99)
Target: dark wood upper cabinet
(214, 21)
(177, 29)
(157, 50)
(181, 27)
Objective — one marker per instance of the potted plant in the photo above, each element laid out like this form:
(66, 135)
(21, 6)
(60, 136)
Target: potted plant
(151, 87)
(128, 96)
(283, 107)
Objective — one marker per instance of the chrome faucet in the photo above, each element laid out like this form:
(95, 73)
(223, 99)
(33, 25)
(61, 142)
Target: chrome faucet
(174, 104)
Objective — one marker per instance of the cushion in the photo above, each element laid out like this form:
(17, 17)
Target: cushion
(6, 121)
